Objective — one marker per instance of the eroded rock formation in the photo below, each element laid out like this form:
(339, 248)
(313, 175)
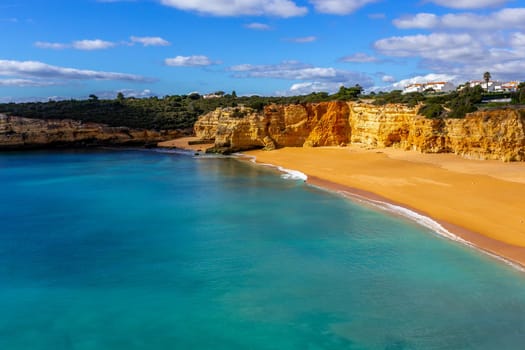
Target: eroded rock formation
(20, 133)
(493, 134)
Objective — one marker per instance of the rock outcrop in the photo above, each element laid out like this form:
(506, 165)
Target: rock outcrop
(492, 134)
(21, 133)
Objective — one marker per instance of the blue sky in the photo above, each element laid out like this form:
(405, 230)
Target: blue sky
(70, 49)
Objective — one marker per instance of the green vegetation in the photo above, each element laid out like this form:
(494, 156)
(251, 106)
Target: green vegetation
(452, 105)
(486, 78)
(169, 112)
(396, 96)
(465, 101)
(181, 111)
(348, 94)
(519, 96)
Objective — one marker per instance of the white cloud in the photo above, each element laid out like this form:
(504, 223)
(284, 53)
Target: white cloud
(95, 44)
(436, 46)
(53, 46)
(293, 70)
(309, 87)
(508, 70)
(303, 40)
(278, 8)
(137, 93)
(359, 57)
(149, 40)
(518, 40)
(189, 61)
(462, 54)
(39, 70)
(111, 94)
(421, 20)
(339, 7)
(432, 77)
(25, 83)
(469, 4)
(388, 79)
(509, 18)
(258, 26)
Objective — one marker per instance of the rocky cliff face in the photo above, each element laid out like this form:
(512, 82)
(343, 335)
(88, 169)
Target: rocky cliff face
(20, 133)
(237, 129)
(496, 134)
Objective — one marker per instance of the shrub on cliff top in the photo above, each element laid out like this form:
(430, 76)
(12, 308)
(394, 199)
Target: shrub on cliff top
(432, 110)
(465, 102)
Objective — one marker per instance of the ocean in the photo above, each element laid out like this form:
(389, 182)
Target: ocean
(135, 249)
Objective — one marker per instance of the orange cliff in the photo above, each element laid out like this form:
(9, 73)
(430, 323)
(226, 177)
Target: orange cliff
(22, 133)
(493, 134)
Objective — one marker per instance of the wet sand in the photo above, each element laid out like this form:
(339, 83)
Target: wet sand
(482, 202)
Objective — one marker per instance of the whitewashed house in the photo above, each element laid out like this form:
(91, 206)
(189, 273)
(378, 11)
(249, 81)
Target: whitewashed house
(437, 86)
(413, 88)
(496, 86)
(511, 86)
(440, 86)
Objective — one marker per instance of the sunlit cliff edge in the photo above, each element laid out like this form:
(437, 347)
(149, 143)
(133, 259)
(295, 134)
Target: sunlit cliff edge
(25, 133)
(491, 134)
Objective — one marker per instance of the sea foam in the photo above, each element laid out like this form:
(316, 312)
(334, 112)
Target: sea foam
(424, 221)
(287, 174)
(411, 215)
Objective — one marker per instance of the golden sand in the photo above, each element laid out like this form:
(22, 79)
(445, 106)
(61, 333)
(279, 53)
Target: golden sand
(183, 143)
(480, 201)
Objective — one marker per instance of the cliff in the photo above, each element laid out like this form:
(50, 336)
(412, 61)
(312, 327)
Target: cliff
(495, 134)
(22, 133)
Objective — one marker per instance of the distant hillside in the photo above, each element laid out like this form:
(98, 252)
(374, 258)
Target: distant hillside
(182, 111)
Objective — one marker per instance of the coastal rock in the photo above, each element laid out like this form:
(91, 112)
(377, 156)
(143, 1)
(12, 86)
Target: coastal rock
(242, 128)
(332, 127)
(20, 133)
(495, 134)
(491, 134)
(380, 126)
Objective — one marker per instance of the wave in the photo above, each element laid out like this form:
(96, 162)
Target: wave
(426, 222)
(287, 174)
(411, 215)
(292, 174)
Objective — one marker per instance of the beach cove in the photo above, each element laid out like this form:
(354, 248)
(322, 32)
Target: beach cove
(479, 201)
(169, 250)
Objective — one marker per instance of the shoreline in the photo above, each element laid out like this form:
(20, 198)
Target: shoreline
(511, 254)
(452, 232)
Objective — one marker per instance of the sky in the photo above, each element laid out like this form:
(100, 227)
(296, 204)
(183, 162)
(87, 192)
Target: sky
(62, 49)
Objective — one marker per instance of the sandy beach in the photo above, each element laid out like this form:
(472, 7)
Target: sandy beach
(479, 201)
(184, 143)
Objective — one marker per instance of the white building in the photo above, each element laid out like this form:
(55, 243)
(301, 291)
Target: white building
(489, 87)
(511, 86)
(413, 88)
(436, 86)
(496, 86)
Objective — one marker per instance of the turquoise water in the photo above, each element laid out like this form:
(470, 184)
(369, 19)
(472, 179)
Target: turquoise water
(143, 250)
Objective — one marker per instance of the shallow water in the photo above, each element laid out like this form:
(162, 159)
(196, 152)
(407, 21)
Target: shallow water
(143, 250)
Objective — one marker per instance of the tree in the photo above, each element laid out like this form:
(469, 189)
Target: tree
(351, 93)
(521, 93)
(234, 94)
(486, 77)
(120, 96)
(93, 97)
